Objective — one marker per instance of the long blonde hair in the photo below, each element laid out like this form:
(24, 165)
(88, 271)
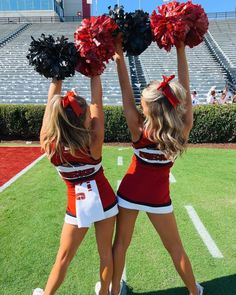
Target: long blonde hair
(164, 123)
(65, 129)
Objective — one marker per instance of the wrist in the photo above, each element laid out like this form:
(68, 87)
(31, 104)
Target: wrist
(181, 48)
(119, 56)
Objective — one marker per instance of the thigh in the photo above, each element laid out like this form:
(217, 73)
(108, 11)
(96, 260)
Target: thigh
(104, 230)
(166, 226)
(71, 238)
(126, 219)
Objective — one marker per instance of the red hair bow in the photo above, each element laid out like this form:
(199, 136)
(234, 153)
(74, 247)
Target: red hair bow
(166, 90)
(70, 100)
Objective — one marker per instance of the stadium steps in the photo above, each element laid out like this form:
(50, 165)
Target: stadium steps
(222, 59)
(137, 76)
(224, 34)
(8, 37)
(6, 29)
(221, 41)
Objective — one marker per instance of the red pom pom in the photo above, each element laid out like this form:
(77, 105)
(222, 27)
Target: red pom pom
(95, 45)
(179, 22)
(196, 22)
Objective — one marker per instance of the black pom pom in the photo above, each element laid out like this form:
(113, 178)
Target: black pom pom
(53, 58)
(136, 29)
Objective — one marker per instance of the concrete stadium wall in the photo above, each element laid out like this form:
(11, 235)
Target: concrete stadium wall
(27, 13)
(72, 7)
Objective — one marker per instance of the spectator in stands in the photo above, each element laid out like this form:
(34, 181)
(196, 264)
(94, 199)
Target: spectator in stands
(223, 99)
(72, 136)
(194, 97)
(209, 94)
(234, 98)
(227, 93)
(157, 141)
(213, 99)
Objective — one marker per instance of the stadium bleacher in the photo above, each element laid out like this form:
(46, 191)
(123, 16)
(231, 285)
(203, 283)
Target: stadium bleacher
(19, 83)
(203, 69)
(224, 33)
(6, 29)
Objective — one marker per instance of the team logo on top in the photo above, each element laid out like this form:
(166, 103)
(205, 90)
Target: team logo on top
(80, 196)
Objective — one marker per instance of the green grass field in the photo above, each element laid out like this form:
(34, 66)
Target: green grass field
(32, 212)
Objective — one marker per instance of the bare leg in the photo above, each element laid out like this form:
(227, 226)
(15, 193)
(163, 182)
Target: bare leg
(104, 233)
(165, 225)
(124, 231)
(71, 238)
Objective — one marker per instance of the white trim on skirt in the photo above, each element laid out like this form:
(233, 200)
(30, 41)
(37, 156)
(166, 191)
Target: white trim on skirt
(109, 213)
(158, 210)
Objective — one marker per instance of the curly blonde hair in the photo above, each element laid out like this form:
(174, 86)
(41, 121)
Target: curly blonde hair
(65, 129)
(164, 123)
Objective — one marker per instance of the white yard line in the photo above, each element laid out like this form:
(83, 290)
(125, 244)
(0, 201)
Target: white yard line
(14, 178)
(118, 184)
(172, 178)
(124, 278)
(204, 234)
(120, 161)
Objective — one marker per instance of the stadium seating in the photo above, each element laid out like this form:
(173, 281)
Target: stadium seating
(6, 29)
(224, 33)
(19, 83)
(204, 70)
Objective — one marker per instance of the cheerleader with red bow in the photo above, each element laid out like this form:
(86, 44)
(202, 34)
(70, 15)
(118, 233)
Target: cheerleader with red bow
(72, 136)
(158, 138)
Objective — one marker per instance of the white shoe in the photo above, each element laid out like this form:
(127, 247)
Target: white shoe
(200, 289)
(38, 291)
(97, 288)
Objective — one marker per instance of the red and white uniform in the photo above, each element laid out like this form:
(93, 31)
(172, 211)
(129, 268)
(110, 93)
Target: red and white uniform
(84, 170)
(146, 183)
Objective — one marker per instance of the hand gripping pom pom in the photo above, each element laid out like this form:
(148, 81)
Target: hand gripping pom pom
(53, 58)
(136, 29)
(95, 44)
(179, 22)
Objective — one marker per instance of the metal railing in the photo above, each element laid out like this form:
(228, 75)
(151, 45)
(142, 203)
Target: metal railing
(13, 34)
(29, 19)
(222, 15)
(53, 19)
(219, 56)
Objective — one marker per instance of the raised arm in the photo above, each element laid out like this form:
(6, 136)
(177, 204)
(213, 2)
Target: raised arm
(183, 76)
(97, 117)
(131, 113)
(54, 88)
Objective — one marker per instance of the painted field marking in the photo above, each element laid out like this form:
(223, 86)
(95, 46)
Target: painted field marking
(118, 184)
(14, 178)
(120, 161)
(204, 234)
(172, 178)
(122, 149)
(124, 278)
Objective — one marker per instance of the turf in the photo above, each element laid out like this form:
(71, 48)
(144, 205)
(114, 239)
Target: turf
(32, 211)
